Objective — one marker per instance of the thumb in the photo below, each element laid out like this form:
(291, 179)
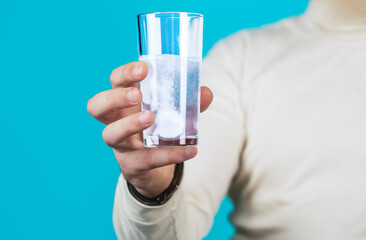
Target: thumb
(206, 98)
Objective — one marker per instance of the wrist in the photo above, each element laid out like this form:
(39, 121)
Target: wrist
(164, 196)
(158, 183)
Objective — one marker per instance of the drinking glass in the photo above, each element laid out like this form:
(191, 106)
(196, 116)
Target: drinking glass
(171, 45)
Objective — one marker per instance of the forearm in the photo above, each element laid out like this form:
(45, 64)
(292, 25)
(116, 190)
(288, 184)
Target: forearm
(134, 220)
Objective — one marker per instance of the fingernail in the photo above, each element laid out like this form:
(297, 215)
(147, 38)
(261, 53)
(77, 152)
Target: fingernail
(137, 71)
(190, 152)
(144, 117)
(133, 95)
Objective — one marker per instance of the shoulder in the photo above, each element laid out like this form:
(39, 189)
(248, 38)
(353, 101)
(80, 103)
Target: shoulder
(280, 32)
(274, 36)
(251, 49)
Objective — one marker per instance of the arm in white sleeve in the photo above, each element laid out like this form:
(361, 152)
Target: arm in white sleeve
(207, 177)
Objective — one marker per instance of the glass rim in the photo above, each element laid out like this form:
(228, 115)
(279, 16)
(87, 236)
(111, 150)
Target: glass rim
(193, 14)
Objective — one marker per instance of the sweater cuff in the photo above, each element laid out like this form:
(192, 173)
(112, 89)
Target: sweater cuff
(140, 212)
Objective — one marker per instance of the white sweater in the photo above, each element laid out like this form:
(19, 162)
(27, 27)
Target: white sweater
(285, 137)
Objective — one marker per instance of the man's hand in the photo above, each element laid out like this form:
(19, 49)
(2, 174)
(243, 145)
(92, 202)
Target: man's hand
(149, 170)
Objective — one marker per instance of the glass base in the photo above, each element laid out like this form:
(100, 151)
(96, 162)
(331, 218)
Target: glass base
(150, 141)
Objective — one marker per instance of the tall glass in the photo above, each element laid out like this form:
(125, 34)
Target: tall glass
(171, 45)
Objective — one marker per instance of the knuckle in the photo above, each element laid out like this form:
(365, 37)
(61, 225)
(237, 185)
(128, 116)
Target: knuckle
(112, 77)
(116, 75)
(107, 138)
(89, 107)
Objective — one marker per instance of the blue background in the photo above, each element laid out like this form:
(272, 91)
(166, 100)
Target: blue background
(57, 177)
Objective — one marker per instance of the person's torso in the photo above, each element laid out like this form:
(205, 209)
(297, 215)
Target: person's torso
(303, 171)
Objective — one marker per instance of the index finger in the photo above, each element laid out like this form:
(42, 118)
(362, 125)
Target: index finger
(128, 74)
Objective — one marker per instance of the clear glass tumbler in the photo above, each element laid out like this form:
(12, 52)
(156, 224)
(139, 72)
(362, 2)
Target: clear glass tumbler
(171, 45)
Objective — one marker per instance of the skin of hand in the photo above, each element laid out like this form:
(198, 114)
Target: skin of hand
(149, 170)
